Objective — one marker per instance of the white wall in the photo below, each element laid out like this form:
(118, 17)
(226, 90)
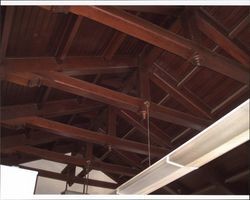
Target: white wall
(16, 181)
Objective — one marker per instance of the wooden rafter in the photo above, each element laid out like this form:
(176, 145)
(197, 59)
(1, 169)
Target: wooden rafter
(114, 45)
(9, 15)
(117, 99)
(67, 39)
(111, 123)
(9, 143)
(72, 65)
(49, 109)
(181, 95)
(164, 39)
(215, 31)
(57, 157)
(170, 11)
(83, 135)
(57, 176)
(157, 135)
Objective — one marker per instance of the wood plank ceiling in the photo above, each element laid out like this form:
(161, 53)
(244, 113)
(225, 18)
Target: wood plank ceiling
(76, 79)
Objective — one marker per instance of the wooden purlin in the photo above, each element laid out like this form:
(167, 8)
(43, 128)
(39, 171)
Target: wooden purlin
(215, 31)
(57, 176)
(5, 34)
(82, 88)
(49, 109)
(164, 39)
(73, 66)
(61, 158)
(83, 135)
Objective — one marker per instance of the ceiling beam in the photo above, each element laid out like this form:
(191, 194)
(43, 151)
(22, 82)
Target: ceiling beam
(143, 81)
(238, 176)
(111, 121)
(9, 143)
(73, 66)
(136, 27)
(71, 160)
(116, 41)
(68, 37)
(216, 32)
(61, 177)
(83, 135)
(8, 20)
(82, 88)
(180, 94)
(49, 109)
(161, 10)
(240, 27)
(124, 101)
(157, 135)
(162, 38)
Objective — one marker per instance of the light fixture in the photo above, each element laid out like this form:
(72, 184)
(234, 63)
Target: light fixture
(224, 135)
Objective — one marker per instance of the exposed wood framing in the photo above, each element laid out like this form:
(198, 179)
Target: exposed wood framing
(49, 109)
(238, 176)
(181, 95)
(215, 31)
(164, 39)
(9, 143)
(161, 10)
(83, 135)
(9, 15)
(67, 39)
(117, 99)
(58, 157)
(73, 66)
(44, 95)
(114, 45)
(57, 176)
(158, 136)
(111, 124)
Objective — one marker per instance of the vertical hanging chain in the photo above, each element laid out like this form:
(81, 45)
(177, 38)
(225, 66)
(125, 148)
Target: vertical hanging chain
(85, 186)
(84, 182)
(87, 176)
(147, 104)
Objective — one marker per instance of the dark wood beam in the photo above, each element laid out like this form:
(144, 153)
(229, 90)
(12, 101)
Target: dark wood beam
(162, 38)
(49, 109)
(204, 190)
(81, 162)
(238, 176)
(9, 15)
(120, 100)
(216, 179)
(83, 135)
(180, 94)
(190, 23)
(136, 27)
(67, 39)
(57, 176)
(114, 45)
(240, 27)
(131, 159)
(117, 99)
(44, 95)
(144, 85)
(111, 124)
(161, 10)
(215, 31)
(157, 135)
(9, 143)
(244, 90)
(73, 66)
